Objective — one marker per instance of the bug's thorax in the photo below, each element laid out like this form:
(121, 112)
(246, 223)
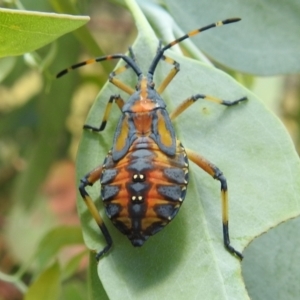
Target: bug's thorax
(142, 122)
(144, 115)
(142, 106)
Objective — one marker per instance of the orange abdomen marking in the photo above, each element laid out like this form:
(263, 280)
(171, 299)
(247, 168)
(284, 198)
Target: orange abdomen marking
(143, 191)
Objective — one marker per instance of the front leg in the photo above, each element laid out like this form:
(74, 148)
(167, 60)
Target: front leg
(115, 98)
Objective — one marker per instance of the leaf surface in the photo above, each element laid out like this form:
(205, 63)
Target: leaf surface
(26, 31)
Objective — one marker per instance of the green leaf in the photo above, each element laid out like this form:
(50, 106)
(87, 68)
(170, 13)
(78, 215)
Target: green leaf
(74, 290)
(6, 65)
(27, 229)
(187, 259)
(82, 34)
(26, 31)
(54, 106)
(269, 266)
(73, 265)
(265, 42)
(56, 239)
(47, 285)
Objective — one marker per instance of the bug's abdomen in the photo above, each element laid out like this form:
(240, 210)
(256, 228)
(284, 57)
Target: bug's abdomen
(144, 190)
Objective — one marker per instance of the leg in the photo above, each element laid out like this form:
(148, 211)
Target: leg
(118, 83)
(115, 98)
(217, 174)
(188, 102)
(171, 74)
(90, 179)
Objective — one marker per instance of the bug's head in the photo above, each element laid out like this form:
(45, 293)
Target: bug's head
(142, 80)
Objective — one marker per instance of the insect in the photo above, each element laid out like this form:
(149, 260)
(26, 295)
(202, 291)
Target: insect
(145, 174)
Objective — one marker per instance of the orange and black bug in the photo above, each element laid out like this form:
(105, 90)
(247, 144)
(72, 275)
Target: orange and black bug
(145, 175)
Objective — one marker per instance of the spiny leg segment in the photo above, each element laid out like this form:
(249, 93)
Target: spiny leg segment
(217, 174)
(115, 98)
(90, 179)
(170, 75)
(117, 82)
(191, 100)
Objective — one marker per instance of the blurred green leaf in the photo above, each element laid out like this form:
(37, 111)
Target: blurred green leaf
(47, 286)
(27, 230)
(73, 264)
(74, 290)
(26, 31)
(54, 106)
(265, 42)
(246, 142)
(6, 65)
(55, 240)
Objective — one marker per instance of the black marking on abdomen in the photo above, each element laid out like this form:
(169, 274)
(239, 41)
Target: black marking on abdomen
(176, 175)
(138, 187)
(112, 210)
(108, 175)
(138, 190)
(136, 214)
(170, 192)
(109, 192)
(166, 211)
(156, 227)
(140, 165)
(137, 210)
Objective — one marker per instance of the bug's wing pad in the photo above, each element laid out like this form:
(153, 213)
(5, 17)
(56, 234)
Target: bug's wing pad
(163, 132)
(123, 138)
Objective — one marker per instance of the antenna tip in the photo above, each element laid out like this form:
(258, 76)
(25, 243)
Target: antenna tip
(231, 20)
(62, 73)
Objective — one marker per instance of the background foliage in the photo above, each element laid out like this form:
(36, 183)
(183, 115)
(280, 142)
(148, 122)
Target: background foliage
(40, 126)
